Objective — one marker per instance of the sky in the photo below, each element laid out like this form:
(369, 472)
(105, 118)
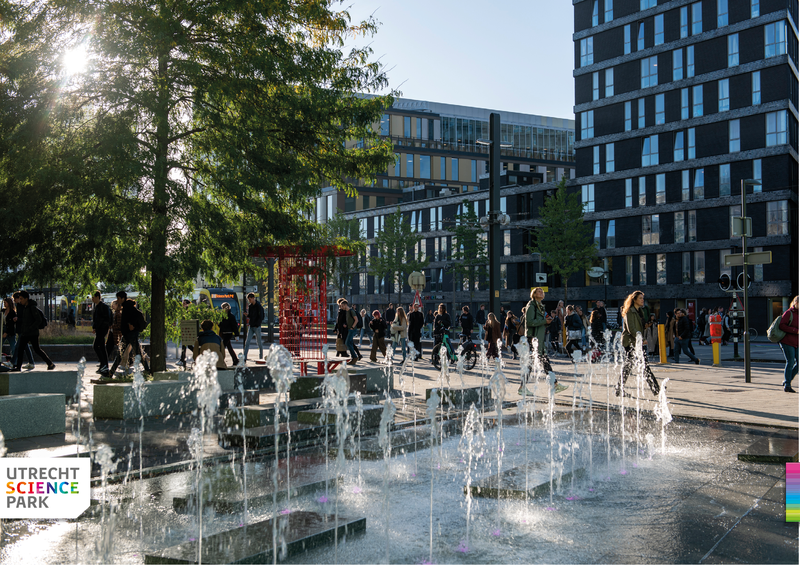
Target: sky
(511, 55)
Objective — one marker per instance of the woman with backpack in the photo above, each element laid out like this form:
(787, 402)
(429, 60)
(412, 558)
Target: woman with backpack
(789, 324)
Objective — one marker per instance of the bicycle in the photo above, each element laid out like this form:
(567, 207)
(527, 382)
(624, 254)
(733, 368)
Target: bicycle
(468, 350)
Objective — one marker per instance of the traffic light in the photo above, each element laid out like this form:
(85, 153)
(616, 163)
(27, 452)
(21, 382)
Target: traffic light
(725, 282)
(740, 281)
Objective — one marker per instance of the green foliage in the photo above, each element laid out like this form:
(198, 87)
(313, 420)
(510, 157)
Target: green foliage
(175, 312)
(344, 235)
(394, 246)
(198, 132)
(470, 253)
(564, 239)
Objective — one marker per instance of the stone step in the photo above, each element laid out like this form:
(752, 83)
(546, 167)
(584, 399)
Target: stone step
(253, 543)
(264, 415)
(159, 398)
(55, 382)
(771, 450)
(511, 483)
(263, 437)
(403, 441)
(230, 399)
(33, 414)
(465, 396)
(370, 417)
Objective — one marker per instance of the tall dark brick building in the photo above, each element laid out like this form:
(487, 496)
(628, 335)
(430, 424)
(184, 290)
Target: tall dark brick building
(676, 102)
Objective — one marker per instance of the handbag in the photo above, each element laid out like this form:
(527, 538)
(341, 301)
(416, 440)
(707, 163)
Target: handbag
(775, 334)
(340, 346)
(573, 334)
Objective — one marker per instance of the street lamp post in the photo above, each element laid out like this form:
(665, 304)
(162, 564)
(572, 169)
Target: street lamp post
(745, 275)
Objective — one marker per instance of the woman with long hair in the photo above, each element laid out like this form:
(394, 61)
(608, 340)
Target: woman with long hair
(789, 324)
(494, 333)
(400, 329)
(574, 327)
(511, 333)
(632, 324)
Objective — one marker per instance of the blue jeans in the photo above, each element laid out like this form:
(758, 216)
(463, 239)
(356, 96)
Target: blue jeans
(790, 371)
(403, 346)
(583, 337)
(250, 332)
(351, 335)
(481, 331)
(684, 345)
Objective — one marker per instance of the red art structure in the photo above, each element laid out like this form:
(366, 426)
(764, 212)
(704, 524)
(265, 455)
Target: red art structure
(302, 305)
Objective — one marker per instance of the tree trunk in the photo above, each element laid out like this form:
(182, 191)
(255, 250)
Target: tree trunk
(564, 325)
(158, 339)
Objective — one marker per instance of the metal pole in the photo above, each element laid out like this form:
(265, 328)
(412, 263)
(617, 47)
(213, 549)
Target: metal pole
(746, 320)
(495, 241)
(271, 302)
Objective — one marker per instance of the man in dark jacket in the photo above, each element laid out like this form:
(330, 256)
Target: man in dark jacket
(28, 321)
(130, 333)
(416, 320)
(683, 334)
(255, 316)
(378, 326)
(228, 329)
(389, 315)
(480, 319)
(101, 323)
(602, 314)
(467, 322)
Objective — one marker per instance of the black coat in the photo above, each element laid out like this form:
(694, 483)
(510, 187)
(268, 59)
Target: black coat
(229, 325)
(415, 322)
(480, 317)
(255, 313)
(441, 323)
(684, 328)
(28, 319)
(9, 325)
(101, 316)
(341, 324)
(378, 326)
(467, 322)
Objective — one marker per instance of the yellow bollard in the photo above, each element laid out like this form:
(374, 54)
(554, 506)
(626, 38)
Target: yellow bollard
(662, 346)
(715, 349)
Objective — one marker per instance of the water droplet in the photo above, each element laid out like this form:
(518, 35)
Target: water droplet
(322, 499)
(623, 472)
(496, 532)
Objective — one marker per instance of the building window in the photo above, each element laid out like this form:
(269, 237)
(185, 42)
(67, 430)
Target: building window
(733, 212)
(609, 157)
(758, 270)
(699, 184)
(678, 151)
(640, 37)
(677, 64)
(690, 61)
(756, 88)
(725, 179)
(609, 82)
(734, 137)
(724, 95)
(587, 51)
(686, 270)
(778, 218)
(645, 4)
(686, 188)
(697, 18)
(628, 120)
(504, 276)
(597, 234)
(661, 188)
(629, 270)
(424, 166)
(699, 267)
(406, 126)
(660, 116)
(776, 128)
(642, 191)
(679, 228)
(385, 124)
(443, 168)
(409, 165)
(506, 243)
(397, 161)
(595, 13)
(596, 160)
(595, 86)
(775, 39)
(757, 174)
(697, 101)
(643, 270)
(609, 11)
(755, 9)
(733, 50)
(661, 268)
(641, 113)
(453, 169)
(684, 21)
(419, 127)
(684, 103)
(722, 13)
(627, 32)
(611, 235)
(473, 170)
(587, 124)
(659, 29)
(628, 193)
(587, 197)
(690, 144)
(691, 230)
(650, 151)
(649, 72)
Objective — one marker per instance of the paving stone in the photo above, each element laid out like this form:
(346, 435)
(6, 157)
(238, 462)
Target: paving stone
(57, 382)
(33, 414)
(253, 543)
(771, 450)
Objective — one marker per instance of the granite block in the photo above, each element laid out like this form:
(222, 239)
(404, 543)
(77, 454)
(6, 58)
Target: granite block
(118, 400)
(57, 382)
(32, 414)
(370, 417)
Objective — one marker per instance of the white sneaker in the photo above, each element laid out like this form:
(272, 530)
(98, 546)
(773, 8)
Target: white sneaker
(29, 366)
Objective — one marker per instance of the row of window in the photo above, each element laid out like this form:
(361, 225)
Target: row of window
(696, 12)
(423, 167)
(774, 45)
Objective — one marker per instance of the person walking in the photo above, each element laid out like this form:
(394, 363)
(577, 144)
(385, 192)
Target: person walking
(536, 322)
(131, 322)
(789, 324)
(512, 331)
(555, 331)
(701, 327)
(415, 322)
(27, 350)
(633, 324)
(441, 323)
(102, 320)
(400, 330)
(585, 328)
(466, 321)
(351, 320)
(378, 327)
(706, 327)
(361, 325)
(726, 326)
(390, 313)
(651, 335)
(683, 334)
(228, 329)
(9, 330)
(669, 332)
(429, 319)
(602, 314)
(255, 316)
(597, 327)
(480, 320)
(341, 331)
(30, 320)
(574, 327)
(494, 332)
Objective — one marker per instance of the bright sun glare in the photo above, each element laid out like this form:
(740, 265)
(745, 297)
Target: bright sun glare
(75, 60)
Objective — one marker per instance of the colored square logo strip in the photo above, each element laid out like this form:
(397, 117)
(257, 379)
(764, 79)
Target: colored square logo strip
(793, 492)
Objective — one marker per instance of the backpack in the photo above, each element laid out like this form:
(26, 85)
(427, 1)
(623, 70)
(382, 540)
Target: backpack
(140, 323)
(42, 319)
(360, 322)
(775, 334)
